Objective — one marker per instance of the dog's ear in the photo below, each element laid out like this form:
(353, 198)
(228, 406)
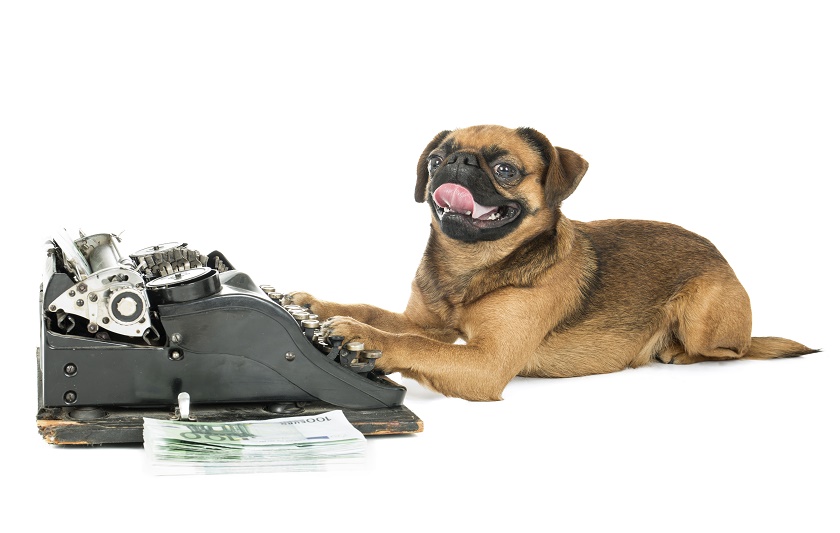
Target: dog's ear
(423, 167)
(573, 168)
(564, 168)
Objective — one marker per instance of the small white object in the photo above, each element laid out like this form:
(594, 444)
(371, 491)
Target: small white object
(184, 406)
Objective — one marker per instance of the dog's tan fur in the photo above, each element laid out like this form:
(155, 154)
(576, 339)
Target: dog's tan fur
(555, 297)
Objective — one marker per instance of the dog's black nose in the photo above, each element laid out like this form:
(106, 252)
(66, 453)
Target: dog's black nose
(463, 158)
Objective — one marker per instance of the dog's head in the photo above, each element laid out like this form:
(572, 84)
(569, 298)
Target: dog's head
(483, 182)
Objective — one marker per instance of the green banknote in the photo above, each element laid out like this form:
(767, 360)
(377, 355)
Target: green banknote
(303, 443)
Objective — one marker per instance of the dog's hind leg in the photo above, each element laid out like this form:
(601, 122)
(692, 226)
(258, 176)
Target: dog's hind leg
(710, 320)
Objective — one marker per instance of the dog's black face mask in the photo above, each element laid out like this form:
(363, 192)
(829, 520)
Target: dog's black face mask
(466, 203)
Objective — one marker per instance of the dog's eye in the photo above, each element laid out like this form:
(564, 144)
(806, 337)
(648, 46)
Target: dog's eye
(434, 163)
(505, 171)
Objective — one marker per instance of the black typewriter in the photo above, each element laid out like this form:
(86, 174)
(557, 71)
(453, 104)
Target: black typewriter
(126, 337)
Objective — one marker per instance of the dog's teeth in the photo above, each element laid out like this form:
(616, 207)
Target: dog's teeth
(468, 213)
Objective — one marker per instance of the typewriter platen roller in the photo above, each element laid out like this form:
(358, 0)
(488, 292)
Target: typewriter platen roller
(121, 336)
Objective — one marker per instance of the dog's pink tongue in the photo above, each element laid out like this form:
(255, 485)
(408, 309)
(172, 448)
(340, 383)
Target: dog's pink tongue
(459, 199)
(454, 196)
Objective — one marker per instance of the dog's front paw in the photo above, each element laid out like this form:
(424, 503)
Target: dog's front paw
(304, 299)
(354, 331)
(351, 329)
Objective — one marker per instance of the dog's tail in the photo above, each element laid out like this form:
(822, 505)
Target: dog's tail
(775, 347)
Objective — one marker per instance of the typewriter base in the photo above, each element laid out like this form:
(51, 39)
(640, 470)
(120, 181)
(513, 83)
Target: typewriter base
(120, 425)
(124, 425)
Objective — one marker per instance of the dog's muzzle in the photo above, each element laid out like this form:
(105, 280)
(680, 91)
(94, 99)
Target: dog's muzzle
(467, 204)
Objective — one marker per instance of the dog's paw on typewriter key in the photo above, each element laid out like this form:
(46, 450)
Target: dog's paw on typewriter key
(303, 299)
(354, 331)
(321, 308)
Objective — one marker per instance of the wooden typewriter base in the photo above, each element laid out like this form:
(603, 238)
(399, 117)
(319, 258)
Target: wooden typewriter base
(119, 425)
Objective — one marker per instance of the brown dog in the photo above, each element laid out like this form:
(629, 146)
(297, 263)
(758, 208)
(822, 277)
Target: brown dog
(536, 294)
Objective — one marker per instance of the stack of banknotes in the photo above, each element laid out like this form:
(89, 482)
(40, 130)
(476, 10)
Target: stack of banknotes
(304, 443)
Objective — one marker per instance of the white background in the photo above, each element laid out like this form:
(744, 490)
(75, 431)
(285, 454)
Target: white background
(286, 135)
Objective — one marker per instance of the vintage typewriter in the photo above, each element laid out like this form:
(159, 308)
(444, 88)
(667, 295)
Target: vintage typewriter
(124, 338)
